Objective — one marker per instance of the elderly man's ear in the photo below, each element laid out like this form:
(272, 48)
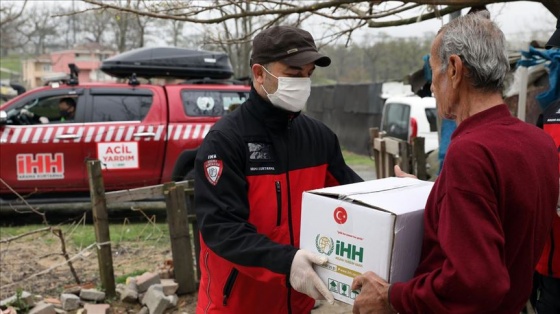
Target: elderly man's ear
(455, 70)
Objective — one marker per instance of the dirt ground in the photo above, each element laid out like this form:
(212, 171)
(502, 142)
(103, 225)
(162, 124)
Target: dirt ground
(35, 264)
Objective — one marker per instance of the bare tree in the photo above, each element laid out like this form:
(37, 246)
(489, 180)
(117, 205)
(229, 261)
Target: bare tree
(96, 25)
(9, 13)
(10, 22)
(40, 28)
(141, 25)
(363, 12)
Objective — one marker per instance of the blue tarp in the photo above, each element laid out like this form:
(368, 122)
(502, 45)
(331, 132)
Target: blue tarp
(536, 56)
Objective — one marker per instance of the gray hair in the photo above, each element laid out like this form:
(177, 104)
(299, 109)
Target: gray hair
(481, 45)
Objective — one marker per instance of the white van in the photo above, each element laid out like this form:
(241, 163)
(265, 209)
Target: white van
(407, 117)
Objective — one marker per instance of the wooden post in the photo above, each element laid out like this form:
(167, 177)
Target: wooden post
(181, 248)
(419, 157)
(196, 239)
(404, 153)
(101, 226)
(189, 192)
(373, 134)
(379, 149)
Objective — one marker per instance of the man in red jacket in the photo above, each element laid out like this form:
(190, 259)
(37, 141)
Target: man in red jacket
(251, 171)
(490, 210)
(547, 278)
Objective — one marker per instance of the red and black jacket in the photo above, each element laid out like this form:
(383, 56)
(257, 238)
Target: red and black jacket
(251, 171)
(549, 264)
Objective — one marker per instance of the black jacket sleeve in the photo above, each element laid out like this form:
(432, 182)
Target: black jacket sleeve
(222, 210)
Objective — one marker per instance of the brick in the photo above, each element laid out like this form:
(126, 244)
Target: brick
(43, 308)
(147, 279)
(173, 299)
(69, 301)
(92, 295)
(130, 280)
(25, 297)
(129, 295)
(53, 301)
(169, 286)
(144, 310)
(74, 289)
(155, 300)
(96, 308)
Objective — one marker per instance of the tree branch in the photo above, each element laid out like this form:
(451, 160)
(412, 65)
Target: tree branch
(284, 8)
(12, 18)
(293, 10)
(416, 19)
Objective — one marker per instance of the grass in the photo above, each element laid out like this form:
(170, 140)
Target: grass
(84, 235)
(353, 159)
(122, 279)
(12, 63)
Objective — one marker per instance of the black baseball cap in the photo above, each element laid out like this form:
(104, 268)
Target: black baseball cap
(290, 45)
(554, 40)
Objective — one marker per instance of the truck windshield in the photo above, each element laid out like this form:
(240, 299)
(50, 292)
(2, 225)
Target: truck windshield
(211, 103)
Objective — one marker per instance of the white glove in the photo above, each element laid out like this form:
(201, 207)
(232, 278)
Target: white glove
(43, 120)
(26, 113)
(304, 279)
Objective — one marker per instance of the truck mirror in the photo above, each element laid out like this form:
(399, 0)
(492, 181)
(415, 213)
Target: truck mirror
(3, 117)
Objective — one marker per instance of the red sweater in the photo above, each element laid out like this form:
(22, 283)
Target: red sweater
(486, 220)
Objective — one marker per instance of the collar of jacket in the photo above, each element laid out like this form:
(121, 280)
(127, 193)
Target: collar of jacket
(272, 117)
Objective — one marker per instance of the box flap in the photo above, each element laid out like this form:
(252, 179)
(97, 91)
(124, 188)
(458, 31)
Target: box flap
(367, 193)
(399, 200)
(372, 186)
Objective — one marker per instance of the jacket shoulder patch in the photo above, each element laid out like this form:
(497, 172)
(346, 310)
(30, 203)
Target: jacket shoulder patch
(213, 170)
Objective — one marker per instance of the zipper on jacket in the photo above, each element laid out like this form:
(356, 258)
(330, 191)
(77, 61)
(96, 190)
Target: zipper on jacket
(290, 226)
(278, 203)
(229, 284)
(209, 280)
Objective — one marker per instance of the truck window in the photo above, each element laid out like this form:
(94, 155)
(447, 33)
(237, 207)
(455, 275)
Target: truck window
(45, 109)
(120, 107)
(210, 103)
(396, 120)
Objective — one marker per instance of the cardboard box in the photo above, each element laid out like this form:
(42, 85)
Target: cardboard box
(374, 226)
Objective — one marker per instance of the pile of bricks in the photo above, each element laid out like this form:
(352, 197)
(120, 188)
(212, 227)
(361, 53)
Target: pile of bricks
(156, 296)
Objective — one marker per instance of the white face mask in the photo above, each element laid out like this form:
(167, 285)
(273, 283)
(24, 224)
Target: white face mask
(292, 92)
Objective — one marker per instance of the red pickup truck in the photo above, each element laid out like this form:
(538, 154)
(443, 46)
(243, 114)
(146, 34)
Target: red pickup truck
(143, 134)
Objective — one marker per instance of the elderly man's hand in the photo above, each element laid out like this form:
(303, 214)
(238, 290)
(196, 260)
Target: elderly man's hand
(374, 294)
(401, 174)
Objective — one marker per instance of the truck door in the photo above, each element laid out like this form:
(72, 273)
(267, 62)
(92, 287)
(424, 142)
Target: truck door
(129, 136)
(41, 152)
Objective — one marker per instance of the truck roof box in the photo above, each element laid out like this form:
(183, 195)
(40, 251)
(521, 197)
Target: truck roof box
(174, 62)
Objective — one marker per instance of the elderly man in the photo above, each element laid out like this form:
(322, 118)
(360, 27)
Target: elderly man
(251, 171)
(490, 210)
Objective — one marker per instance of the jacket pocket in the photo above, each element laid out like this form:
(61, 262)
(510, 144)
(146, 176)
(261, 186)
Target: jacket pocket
(229, 284)
(278, 203)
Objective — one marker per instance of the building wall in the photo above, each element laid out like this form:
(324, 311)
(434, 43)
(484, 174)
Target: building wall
(32, 71)
(87, 61)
